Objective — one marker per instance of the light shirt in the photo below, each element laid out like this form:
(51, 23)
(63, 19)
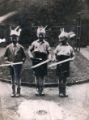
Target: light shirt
(38, 46)
(64, 50)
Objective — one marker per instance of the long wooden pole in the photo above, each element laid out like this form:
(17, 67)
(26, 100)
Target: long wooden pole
(39, 64)
(10, 64)
(60, 62)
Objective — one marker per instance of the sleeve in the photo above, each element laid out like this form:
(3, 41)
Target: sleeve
(56, 50)
(23, 54)
(54, 56)
(31, 48)
(48, 48)
(6, 55)
(72, 52)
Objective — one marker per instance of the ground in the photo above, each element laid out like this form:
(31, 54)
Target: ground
(48, 107)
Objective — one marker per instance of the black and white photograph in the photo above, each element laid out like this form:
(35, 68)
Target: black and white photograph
(44, 59)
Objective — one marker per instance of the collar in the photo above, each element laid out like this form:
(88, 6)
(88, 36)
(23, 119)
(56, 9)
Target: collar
(41, 41)
(16, 45)
(67, 44)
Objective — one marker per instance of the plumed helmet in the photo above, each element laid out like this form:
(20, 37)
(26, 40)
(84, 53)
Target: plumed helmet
(63, 38)
(15, 31)
(41, 30)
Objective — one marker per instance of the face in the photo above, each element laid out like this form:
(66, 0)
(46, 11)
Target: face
(41, 37)
(14, 39)
(63, 40)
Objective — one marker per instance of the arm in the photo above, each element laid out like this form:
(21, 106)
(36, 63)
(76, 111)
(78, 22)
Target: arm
(49, 51)
(30, 49)
(23, 54)
(72, 53)
(55, 54)
(6, 54)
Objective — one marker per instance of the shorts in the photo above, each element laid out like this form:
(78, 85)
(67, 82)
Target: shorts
(41, 70)
(64, 67)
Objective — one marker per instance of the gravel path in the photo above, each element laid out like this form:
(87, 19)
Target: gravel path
(48, 107)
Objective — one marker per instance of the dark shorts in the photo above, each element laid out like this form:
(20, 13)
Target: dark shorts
(63, 68)
(41, 70)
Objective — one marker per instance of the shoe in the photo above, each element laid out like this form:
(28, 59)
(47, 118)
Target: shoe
(18, 95)
(61, 95)
(65, 95)
(13, 95)
(36, 93)
(13, 91)
(18, 92)
(43, 93)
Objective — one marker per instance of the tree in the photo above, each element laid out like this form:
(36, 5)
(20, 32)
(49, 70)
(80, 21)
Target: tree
(63, 10)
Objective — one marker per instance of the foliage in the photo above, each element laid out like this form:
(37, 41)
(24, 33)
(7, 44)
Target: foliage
(64, 9)
(33, 13)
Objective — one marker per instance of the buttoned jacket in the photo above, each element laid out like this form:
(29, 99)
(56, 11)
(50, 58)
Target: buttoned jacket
(15, 54)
